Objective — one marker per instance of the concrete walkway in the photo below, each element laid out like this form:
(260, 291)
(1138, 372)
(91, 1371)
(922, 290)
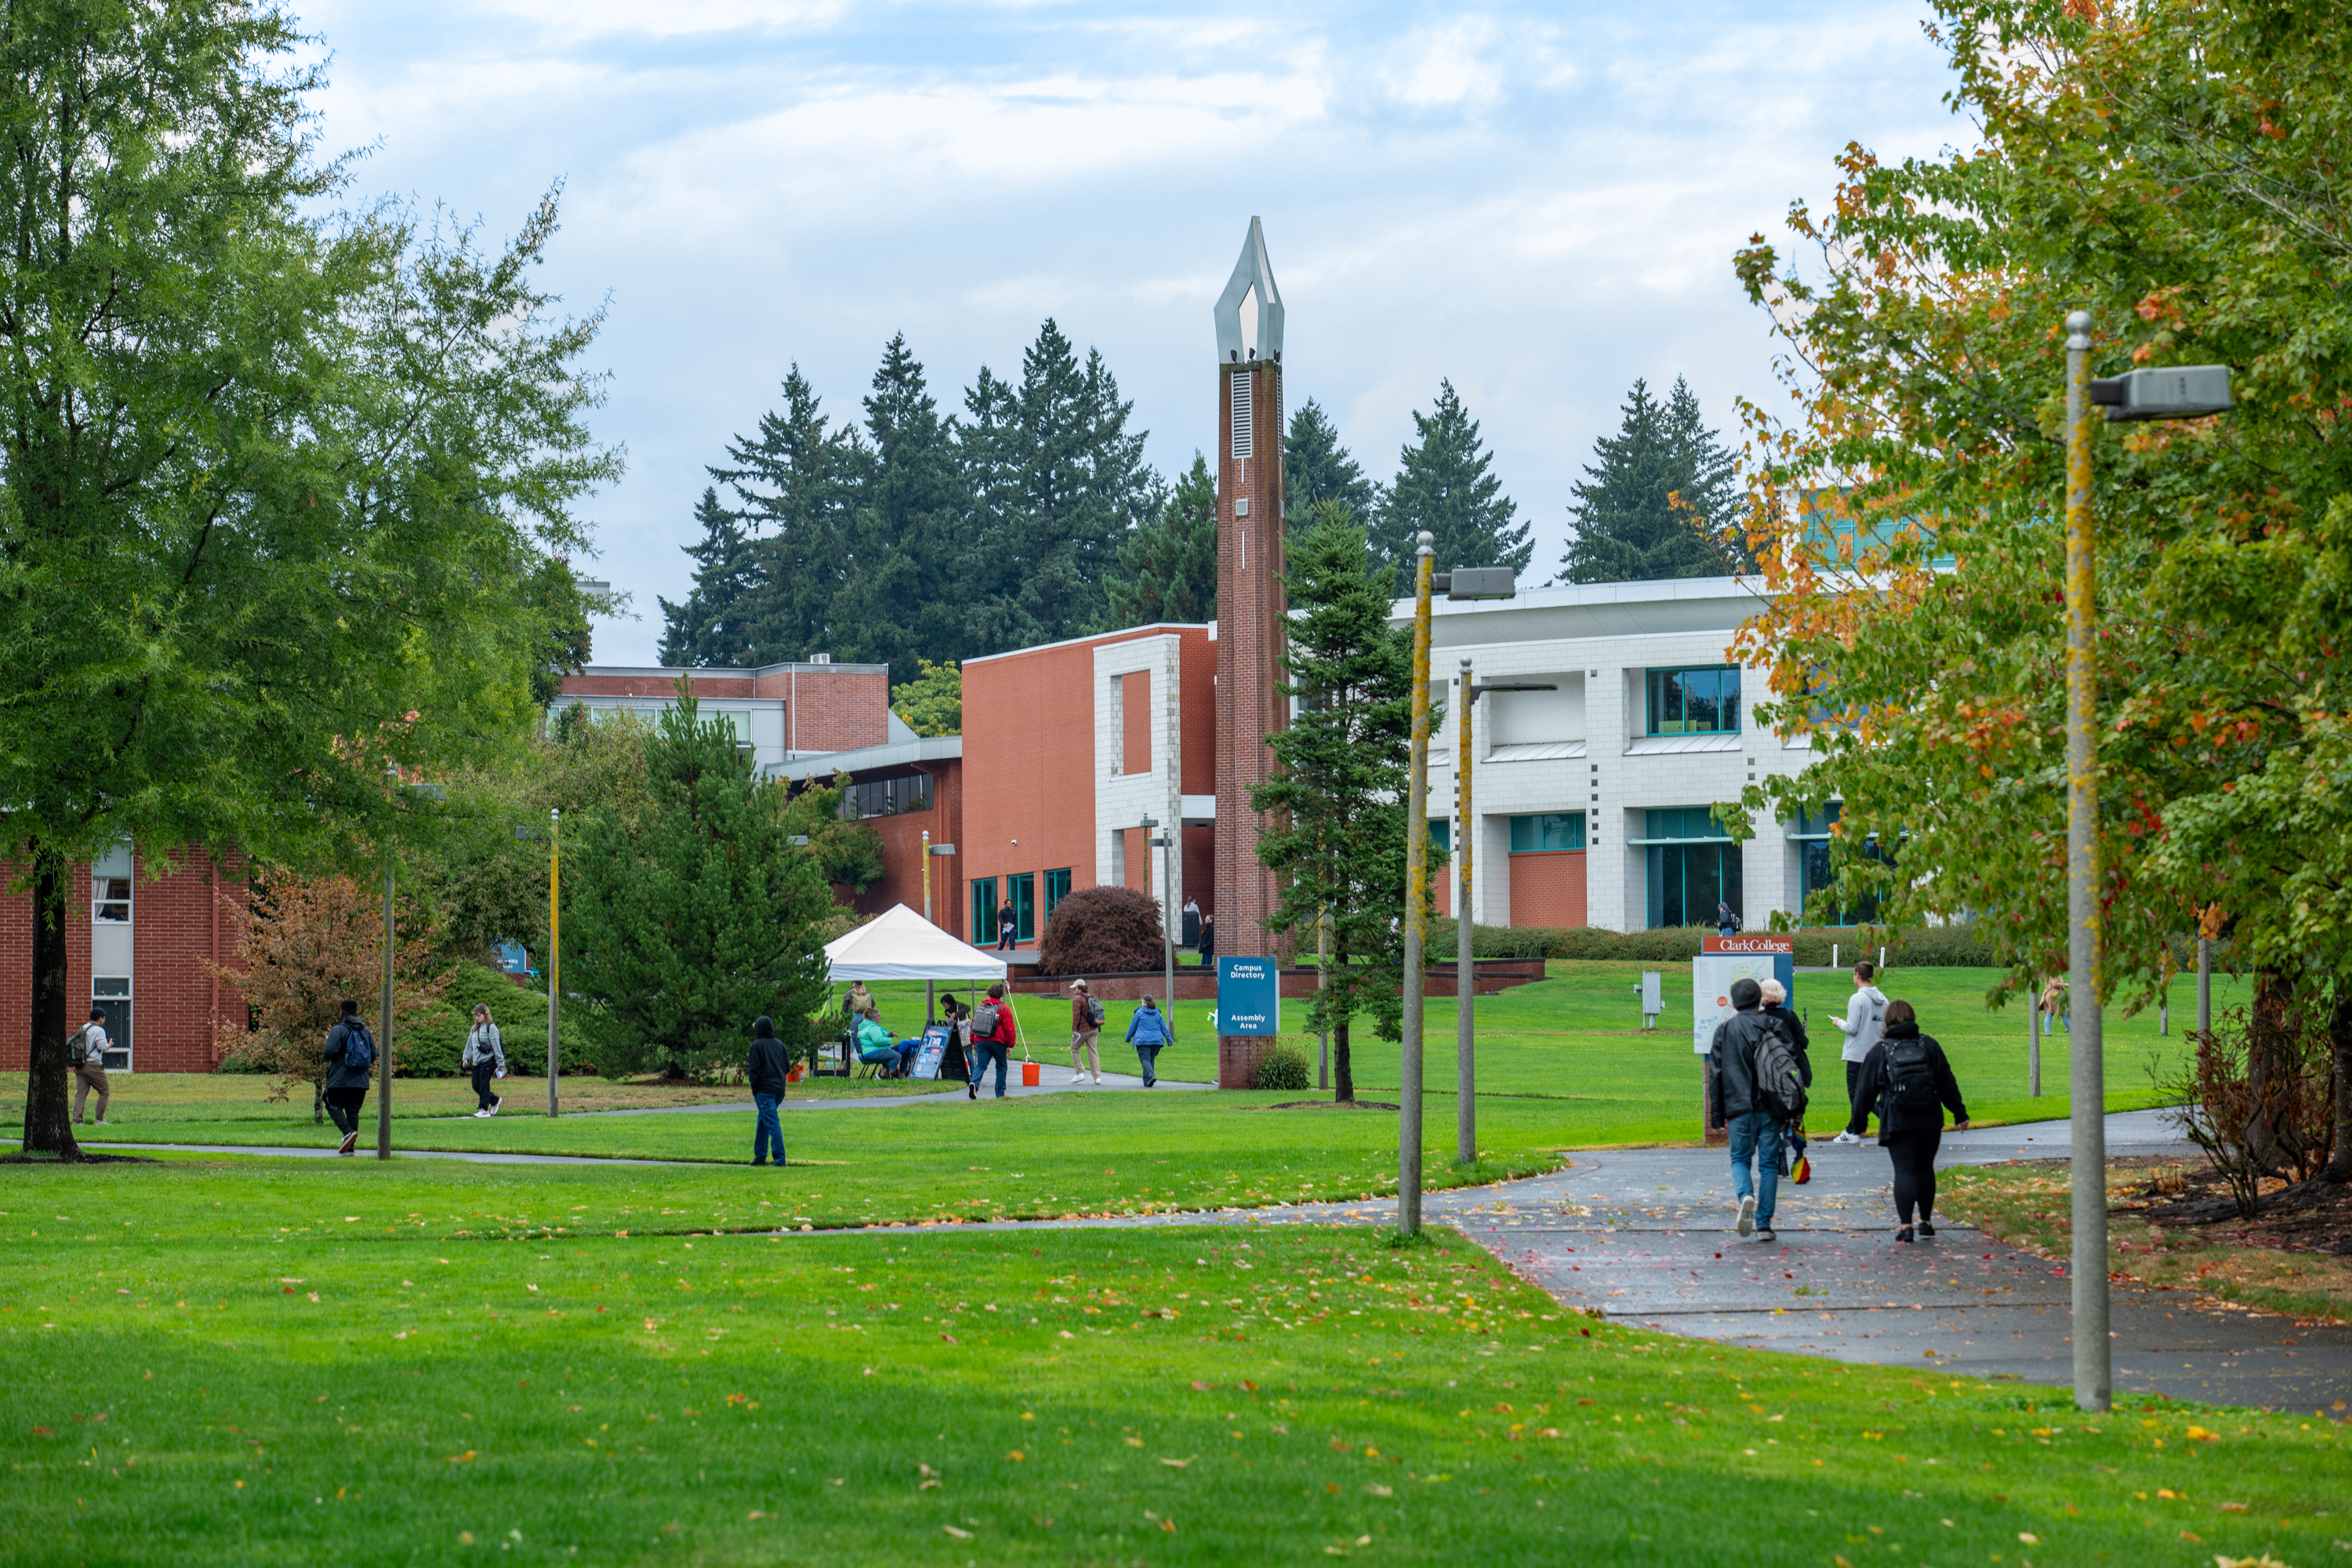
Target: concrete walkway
(1051, 1080)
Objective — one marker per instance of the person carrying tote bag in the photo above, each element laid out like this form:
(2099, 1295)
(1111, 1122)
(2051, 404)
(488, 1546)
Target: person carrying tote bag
(486, 1059)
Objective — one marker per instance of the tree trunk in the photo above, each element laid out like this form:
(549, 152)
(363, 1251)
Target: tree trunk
(48, 1086)
(2265, 1027)
(2339, 1042)
(1343, 1075)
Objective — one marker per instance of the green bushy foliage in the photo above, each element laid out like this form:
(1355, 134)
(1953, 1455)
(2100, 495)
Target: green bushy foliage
(432, 1048)
(1934, 947)
(1284, 1068)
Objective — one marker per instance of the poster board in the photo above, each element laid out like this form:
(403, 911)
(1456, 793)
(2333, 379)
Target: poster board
(928, 1055)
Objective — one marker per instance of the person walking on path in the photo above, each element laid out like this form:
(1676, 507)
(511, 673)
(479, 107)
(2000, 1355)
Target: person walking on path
(350, 1052)
(1086, 1028)
(2055, 1013)
(1907, 1083)
(1208, 942)
(1727, 923)
(1776, 1008)
(486, 1059)
(87, 1053)
(767, 1070)
(1146, 1031)
(1752, 1059)
(1007, 923)
(994, 1033)
(1865, 1021)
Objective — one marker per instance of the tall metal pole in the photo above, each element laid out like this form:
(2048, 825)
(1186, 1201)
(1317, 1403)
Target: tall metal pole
(1323, 983)
(384, 1032)
(1416, 904)
(1168, 915)
(1466, 987)
(2093, 1370)
(2204, 986)
(930, 1000)
(554, 946)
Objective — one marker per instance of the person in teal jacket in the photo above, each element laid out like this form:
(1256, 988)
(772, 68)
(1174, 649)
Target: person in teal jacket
(1146, 1031)
(876, 1043)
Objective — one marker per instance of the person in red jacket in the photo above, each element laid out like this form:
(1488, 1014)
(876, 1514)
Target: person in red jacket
(994, 1033)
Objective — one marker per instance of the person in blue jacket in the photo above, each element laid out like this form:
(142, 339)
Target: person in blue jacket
(1146, 1031)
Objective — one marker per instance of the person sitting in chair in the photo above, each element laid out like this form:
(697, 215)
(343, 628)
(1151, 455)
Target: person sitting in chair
(877, 1047)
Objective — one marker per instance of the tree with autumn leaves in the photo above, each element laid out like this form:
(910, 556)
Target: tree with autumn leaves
(2173, 167)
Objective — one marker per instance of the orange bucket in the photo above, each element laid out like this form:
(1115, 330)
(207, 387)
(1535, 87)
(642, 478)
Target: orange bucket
(1028, 1074)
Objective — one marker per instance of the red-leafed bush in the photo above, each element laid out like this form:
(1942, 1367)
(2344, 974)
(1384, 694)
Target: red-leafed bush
(1102, 930)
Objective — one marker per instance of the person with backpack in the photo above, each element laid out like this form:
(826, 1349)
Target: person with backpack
(486, 1059)
(350, 1052)
(1757, 1088)
(1146, 1031)
(768, 1068)
(1908, 1083)
(86, 1051)
(1726, 922)
(994, 1033)
(1865, 1021)
(1086, 1028)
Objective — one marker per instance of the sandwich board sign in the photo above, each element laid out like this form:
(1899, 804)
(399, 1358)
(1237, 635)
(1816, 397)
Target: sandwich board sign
(1722, 960)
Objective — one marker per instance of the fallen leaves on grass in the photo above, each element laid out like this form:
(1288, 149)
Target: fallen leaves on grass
(466, 1457)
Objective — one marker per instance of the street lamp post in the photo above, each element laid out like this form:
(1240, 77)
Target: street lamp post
(1416, 901)
(383, 1031)
(2172, 393)
(1166, 837)
(554, 947)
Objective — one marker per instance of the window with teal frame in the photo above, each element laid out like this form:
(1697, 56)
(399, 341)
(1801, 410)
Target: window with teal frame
(984, 911)
(1058, 887)
(1548, 831)
(1816, 872)
(1441, 837)
(1022, 891)
(1683, 822)
(1694, 701)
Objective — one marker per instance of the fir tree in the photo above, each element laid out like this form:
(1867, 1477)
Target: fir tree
(703, 915)
(1662, 502)
(1314, 468)
(1339, 791)
(898, 560)
(798, 480)
(1168, 567)
(1442, 487)
(707, 629)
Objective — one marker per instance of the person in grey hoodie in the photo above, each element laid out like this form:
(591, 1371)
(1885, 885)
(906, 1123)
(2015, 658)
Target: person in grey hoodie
(1863, 1025)
(486, 1059)
(768, 1069)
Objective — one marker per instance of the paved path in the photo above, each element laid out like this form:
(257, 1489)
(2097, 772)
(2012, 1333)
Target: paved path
(367, 1151)
(1053, 1081)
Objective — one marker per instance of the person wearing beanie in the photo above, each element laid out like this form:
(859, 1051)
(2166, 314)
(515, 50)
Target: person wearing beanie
(767, 1067)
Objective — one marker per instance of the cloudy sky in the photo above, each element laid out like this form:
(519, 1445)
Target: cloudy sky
(1538, 201)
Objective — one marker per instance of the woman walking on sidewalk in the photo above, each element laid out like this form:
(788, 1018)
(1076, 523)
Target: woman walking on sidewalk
(486, 1059)
(1907, 1083)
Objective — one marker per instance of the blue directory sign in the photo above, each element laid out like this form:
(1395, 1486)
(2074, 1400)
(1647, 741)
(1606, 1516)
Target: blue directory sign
(1249, 996)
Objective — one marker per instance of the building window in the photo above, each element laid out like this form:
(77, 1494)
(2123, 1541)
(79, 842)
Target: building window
(1816, 872)
(887, 797)
(1022, 891)
(984, 911)
(109, 897)
(1688, 878)
(1694, 701)
(1058, 887)
(1441, 837)
(1244, 444)
(1546, 831)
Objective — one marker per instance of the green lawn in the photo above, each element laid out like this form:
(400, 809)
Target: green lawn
(193, 1377)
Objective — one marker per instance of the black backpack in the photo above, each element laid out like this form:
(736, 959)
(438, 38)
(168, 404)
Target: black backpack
(1911, 1076)
(1780, 1080)
(1094, 1011)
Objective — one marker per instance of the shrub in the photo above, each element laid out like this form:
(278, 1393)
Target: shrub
(1102, 930)
(2258, 1097)
(432, 1047)
(1284, 1067)
(1933, 947)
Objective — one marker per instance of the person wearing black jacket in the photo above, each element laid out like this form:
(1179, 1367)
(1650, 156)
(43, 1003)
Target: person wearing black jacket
(347, 1080)
(766, 1068)
(1907, 1082)
(1755, 1130)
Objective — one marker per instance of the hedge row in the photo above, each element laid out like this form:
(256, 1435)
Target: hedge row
(1938, 947)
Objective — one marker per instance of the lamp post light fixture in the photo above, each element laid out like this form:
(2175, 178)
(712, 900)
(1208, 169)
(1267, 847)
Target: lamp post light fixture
(1465, 982)
(1164, 841)
(2180, 392)
(554, 948)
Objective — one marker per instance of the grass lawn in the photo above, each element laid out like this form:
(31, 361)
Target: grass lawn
(191, 1379)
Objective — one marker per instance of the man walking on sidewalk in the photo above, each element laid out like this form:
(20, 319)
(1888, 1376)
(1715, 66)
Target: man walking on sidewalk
(87, 1052)
(350, 1052)
(767, 1070)
(1752, 1060)
(1086, 1028)
(1863, 1025)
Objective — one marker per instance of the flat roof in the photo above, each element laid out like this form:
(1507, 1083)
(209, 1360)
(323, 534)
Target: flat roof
(1575, 610)
(722, 671)
(1161, 627)
(892, 754)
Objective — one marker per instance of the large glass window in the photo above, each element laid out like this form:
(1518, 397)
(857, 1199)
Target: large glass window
(1694, 701)
(984, 911)
(887, 797)
(1688, 879)
(1022, 891)
(1548, 831)
(1816, 872)
(1058, 887)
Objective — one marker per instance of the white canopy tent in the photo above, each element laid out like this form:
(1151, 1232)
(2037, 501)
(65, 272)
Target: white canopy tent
(900, 944)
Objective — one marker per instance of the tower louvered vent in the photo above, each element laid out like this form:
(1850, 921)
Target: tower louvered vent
(1241, 444)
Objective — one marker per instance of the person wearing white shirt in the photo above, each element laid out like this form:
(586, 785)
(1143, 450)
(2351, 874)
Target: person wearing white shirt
(1863, 1025)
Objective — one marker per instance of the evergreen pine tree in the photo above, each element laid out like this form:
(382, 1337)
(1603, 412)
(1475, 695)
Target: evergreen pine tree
(1662, 502)
(898, 556)
(703, 914)
(1314, 468)
(1339, 792)
(707, 629)
(1442, 487)
(1057, 482)
(799, 481)
(1168, 567)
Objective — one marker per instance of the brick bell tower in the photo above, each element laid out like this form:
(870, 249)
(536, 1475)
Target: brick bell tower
(1250, 613)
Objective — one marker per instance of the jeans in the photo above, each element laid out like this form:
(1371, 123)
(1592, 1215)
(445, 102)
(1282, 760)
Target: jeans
(1756, 1141)
(1913, 1154)
(483, 1073)
(988, 1049)
(769, 1133)
(90, 1075)
(1149, 1052)
(344, 1107)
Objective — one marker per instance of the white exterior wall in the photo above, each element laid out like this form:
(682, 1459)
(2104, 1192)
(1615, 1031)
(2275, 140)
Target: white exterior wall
(1596, 643)
(1124, 800)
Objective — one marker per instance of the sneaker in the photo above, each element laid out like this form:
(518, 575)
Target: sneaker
(1077, 1077)
(496, 1101)
(1764, 1233)
(1746, 1214)
(480, 1114)
(972, 1090)
(1903, 1233)
(1927, 1229)
(1846, 1138)
(348, 1139)
(1097, 1079)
